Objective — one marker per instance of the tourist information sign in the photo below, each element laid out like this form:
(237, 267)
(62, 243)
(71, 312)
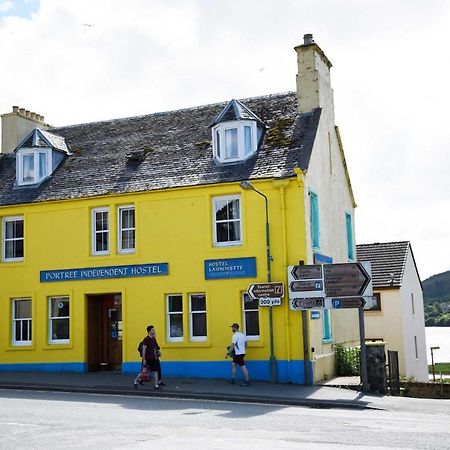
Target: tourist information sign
(266, 290)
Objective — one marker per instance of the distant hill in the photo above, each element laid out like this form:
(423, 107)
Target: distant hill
(436, 298)
(437, 288)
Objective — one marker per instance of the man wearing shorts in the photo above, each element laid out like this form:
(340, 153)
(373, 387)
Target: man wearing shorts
(238, 346)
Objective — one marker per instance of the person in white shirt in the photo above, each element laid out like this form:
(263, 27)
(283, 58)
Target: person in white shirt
(238, 346)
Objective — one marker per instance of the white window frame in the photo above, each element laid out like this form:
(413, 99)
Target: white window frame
(28, 320)
(170, 313)
(95, 211)
(51, 340)
(227, 198)
(21, 153)
(191, 321)
(219, 147)
(120, 229)
(4, 222)
(251, 337)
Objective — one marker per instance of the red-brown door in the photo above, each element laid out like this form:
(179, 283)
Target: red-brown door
(104, 332)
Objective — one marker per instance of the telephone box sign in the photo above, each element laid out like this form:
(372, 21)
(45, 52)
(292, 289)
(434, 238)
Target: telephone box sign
(230, 268)
(95, 273)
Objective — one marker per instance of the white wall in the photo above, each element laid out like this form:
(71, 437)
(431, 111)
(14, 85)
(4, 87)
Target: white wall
(413, 323)
(397, 325)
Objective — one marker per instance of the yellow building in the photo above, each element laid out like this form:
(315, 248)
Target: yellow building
(110, 226)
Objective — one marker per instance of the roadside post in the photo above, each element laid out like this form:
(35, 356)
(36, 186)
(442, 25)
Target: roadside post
(432, 361)
(268, 294)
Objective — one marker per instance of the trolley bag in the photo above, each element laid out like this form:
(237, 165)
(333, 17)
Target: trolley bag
(145, 374)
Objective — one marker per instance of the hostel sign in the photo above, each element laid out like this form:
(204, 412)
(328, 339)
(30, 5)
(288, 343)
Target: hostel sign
(230, 268)
(96, 273)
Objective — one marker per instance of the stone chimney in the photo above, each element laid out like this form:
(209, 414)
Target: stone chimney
(313, 78)
(17, 124)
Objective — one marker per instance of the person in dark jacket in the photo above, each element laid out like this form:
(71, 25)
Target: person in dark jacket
(150, 359)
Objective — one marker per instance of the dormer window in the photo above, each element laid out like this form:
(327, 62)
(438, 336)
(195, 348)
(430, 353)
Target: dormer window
(38, 155)
(33, 165)
(234, 141)
(236, 133)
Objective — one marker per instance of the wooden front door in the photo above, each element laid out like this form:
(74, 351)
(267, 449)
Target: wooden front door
(104, 332)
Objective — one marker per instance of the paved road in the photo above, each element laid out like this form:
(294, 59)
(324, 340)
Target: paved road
(51, 420)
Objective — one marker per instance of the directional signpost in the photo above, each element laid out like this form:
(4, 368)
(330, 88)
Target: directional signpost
(298, 304)
(345, 285)
(348, 302)
(305, 281)
(338, 286)
(268, 294)
(346, 280)
(262, 290)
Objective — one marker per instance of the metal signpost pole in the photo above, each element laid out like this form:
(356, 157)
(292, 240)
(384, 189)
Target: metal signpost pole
(246, 185)
(363, 356)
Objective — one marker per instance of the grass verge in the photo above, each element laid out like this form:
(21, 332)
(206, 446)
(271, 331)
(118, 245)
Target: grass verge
(440, 368)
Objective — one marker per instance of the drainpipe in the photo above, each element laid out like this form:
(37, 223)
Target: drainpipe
(281, 185)
(305, 316)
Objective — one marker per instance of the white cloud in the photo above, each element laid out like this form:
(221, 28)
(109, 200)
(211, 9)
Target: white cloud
(83, 61)
(6, 6)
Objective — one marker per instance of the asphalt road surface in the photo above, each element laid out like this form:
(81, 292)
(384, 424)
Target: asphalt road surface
(51, 420)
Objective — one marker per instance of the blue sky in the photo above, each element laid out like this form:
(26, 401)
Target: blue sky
(18, 8)
(90, 60)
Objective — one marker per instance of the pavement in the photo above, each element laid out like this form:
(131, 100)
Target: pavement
(116, 383)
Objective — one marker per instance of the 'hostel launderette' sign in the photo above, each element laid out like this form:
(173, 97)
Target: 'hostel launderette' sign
(230, 268)
(95, 273)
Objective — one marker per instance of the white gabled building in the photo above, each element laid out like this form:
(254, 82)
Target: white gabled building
(397, 316)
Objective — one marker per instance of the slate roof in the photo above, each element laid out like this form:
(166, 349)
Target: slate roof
(388, 262)
(175, 149)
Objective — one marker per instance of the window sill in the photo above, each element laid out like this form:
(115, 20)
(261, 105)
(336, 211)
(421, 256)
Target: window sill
(18, 261)
(254, 344)
(328, 341)
(13, 348)
(188, 344)
(56, 346)
(227, 244)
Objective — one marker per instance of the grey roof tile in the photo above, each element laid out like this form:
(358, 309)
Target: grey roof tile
(388, 261)
(177, 149)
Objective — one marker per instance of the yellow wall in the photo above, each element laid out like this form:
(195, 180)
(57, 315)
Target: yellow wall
(173, 226)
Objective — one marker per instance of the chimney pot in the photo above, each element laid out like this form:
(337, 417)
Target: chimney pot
(27, 113)
(42, 119)
(15, 109)
(33, 115)
(308, 39)
(22, 111)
